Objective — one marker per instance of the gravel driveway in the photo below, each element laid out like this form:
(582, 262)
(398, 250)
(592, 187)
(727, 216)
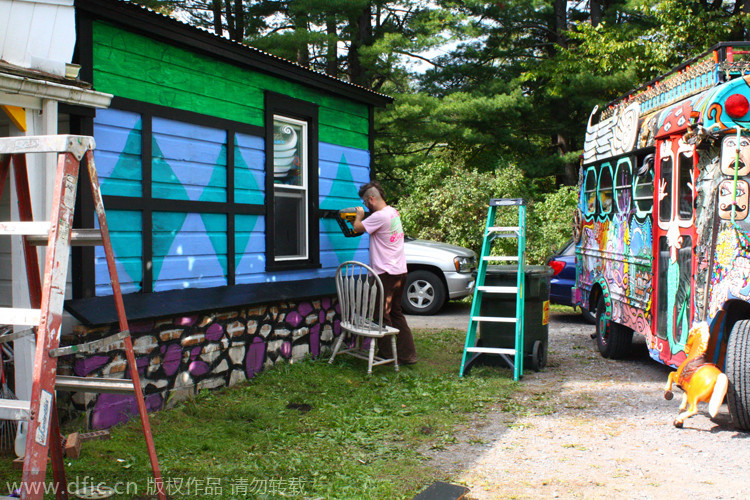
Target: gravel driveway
(587, 427)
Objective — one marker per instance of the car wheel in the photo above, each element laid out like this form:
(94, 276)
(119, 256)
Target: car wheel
(613, 339)
(424, 293)
(738, 373)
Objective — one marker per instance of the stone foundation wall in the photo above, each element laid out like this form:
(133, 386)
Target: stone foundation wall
(176, 357)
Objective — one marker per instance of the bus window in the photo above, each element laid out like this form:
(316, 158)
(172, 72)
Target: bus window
(682, 297)
(590, 190)
(665, 190)
(605, 189)
(643, 187)
(662, 289)
(623, 178)
(684, 189)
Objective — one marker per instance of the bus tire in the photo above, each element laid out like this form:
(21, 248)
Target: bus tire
(612, 339)
(737, 369)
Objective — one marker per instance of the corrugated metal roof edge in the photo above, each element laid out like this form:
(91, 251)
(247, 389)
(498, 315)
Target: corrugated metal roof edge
(154, 23)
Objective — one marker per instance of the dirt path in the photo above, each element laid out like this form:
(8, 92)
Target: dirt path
(587, 427)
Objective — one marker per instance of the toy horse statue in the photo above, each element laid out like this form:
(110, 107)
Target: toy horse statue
(702, 382)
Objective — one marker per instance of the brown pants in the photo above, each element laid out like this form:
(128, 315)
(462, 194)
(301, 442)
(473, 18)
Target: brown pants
(393, 288)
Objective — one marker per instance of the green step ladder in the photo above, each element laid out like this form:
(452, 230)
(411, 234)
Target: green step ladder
(492, 232)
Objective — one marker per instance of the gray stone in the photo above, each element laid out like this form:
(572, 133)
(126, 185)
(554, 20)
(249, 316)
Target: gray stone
(237, 354)
(300, 351)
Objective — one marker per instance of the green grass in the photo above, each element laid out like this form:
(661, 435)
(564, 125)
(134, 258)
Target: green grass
(307, 429)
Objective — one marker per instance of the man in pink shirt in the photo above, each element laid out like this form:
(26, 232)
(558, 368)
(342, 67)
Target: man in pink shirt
(388, 260)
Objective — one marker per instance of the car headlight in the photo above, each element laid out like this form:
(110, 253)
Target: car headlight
(463, 264)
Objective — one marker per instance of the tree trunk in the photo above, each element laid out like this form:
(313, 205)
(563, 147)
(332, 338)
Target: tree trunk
(570, 176)
(216, 8)
(596, 12)
(361, 32)
(332, 55)
(300, 27)
(561, 22)
(230, 20)
(239, 20)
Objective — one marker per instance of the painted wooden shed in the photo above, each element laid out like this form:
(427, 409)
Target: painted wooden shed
(221, 167)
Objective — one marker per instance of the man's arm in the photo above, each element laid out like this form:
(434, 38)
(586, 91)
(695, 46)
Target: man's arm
(357, 224)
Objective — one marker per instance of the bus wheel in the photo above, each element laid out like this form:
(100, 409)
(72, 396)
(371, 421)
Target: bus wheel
(737, 369)
(612, 339)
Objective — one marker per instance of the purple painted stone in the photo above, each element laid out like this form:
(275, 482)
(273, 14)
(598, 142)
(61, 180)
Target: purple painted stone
(186, 321)
(325, 303)
(322, 317)
(198, 368)
(195, 353)
(337, 308)
(294, 318)
(141, 363)
(141, 327)
(83, 367)
(286, 349)
(256, 351)
(171, 360)
(315, 340)
(305, 308)
(214, 332)
(113, 409)
(336, 327)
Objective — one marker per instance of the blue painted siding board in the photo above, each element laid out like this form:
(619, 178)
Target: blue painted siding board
(249, 169)
(118, 152)
(250, 248)
(189, 161)
(192, 254)
(125, 235)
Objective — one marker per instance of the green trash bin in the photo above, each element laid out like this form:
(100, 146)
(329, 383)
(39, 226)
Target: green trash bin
(536, 316)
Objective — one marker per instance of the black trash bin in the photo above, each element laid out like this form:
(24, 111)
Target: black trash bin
(536, 316)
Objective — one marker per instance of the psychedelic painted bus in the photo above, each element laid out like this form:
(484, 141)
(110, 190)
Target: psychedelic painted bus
(662, 229)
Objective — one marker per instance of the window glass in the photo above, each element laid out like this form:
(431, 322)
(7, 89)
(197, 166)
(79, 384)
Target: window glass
(643, 186)
(605, 189)
(682, 298)
(289, 139)
(661, 314)
(665, 190)
(290, 189)
(590, 191)
(623, 179)
(684, 190)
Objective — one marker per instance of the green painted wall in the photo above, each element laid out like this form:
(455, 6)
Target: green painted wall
(137, 67)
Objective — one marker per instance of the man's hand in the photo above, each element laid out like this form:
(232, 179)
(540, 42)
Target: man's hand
(357, 224)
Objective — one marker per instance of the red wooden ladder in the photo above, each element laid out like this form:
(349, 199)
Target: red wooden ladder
(46, 298)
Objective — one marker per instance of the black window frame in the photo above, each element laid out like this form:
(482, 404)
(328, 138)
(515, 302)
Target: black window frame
(282, 105)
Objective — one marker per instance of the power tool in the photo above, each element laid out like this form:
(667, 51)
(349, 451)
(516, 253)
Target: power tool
(346, 219)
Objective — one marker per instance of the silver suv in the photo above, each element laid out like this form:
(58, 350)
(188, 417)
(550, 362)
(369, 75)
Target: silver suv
(437, 272)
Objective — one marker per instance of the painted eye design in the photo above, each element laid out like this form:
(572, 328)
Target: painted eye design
(724, 190)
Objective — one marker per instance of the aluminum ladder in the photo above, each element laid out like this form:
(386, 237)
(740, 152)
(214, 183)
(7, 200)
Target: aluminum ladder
(491, 232)
(46, 298)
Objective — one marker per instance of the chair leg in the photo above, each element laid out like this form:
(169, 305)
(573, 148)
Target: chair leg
(336, 346)
(395, 353)
(372, 356)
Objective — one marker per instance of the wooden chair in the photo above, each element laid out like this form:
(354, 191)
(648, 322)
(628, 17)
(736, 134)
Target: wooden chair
(360, 294)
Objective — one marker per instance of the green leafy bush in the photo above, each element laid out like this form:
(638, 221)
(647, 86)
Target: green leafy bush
(448, 203)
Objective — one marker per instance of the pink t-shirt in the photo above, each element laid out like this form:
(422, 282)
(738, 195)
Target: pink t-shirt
(386, 241)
